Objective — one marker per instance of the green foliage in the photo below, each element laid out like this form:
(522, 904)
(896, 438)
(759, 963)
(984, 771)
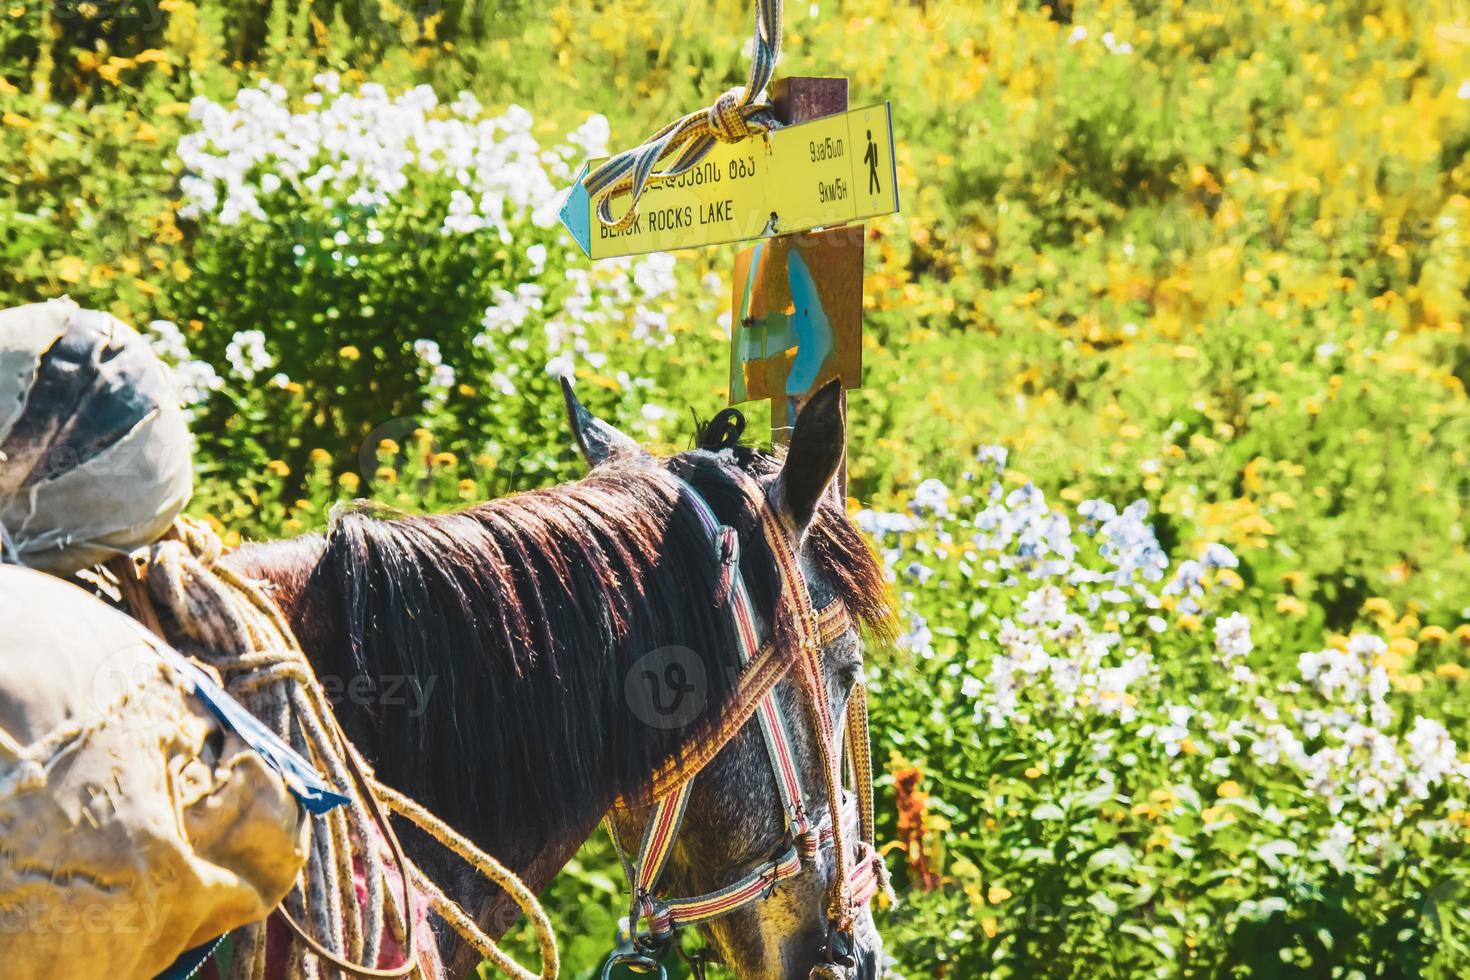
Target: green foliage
(1210, 258)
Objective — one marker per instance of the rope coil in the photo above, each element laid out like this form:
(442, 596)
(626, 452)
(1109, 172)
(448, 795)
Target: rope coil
(739, 113)
(229, 624)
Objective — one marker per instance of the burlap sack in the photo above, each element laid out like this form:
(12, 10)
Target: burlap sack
(132, 827)
(94, 451)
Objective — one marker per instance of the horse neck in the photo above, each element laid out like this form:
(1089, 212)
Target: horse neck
(310, 602)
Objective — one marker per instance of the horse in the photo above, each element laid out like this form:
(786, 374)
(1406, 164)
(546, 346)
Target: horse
(561, 646)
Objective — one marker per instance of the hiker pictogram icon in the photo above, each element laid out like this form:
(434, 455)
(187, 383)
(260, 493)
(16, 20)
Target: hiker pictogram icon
(871, 159)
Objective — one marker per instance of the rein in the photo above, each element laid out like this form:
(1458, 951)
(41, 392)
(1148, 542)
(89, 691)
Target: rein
(762, 665)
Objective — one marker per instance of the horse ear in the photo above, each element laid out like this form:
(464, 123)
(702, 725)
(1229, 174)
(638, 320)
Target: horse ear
(598, 441)
(817, 445)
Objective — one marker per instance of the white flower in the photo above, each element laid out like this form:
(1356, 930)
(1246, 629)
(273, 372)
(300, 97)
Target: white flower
(537, 254)
(1431, 756)
(592, 136)
(1219, 556)
(1233, 636)
(1174, 734)
(994, 456)
(881, 523)
(466, 106)
(1043, 606)
(918, 571)
(1334, 847)
(931, 497)
(167, 340)
(247, 354)
(367, 149)
(917, 638)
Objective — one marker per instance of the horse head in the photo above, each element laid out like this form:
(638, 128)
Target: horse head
(774, 897)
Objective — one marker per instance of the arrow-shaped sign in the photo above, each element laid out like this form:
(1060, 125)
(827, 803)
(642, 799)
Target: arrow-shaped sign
(814, 175)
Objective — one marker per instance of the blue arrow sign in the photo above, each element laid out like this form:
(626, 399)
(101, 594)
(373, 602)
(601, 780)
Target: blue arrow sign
(576, 214)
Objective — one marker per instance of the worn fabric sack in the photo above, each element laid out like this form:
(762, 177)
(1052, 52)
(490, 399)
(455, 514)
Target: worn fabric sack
(94, 451)
(135, 826)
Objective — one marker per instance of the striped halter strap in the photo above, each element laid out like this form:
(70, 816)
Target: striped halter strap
(860, 871)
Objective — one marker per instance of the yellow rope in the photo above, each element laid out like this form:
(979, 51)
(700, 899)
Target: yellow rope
(737, 114)
(493, 871)
(230, 624)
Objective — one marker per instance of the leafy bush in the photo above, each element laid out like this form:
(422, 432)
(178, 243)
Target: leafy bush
(1210, 260)
(1122, 745)
(309, 225)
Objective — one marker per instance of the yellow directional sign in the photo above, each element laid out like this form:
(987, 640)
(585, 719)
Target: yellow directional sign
(813, 175)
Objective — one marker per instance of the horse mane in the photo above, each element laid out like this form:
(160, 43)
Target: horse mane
(527, 613)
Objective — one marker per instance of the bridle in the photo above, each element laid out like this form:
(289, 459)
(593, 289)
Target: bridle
(762, 666)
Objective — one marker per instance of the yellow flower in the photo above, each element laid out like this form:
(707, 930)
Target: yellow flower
(350, 481)
(1409, 683)
(997, 894)
(1190, 623)
(70, 269)
(1033, 772)
(1290, 605)
(1229, 578)
(349, 353)
(444, 459)
(320, 456)
(278, 467)
(466, 488)
(1433, 634)
(1229, 790)
(1378, 606)
(389, 447)
(386, 474)
(1453, 673)
(1403, 646)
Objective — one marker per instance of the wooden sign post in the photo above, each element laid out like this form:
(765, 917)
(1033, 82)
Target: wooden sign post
(796, 309)
(797, 296)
